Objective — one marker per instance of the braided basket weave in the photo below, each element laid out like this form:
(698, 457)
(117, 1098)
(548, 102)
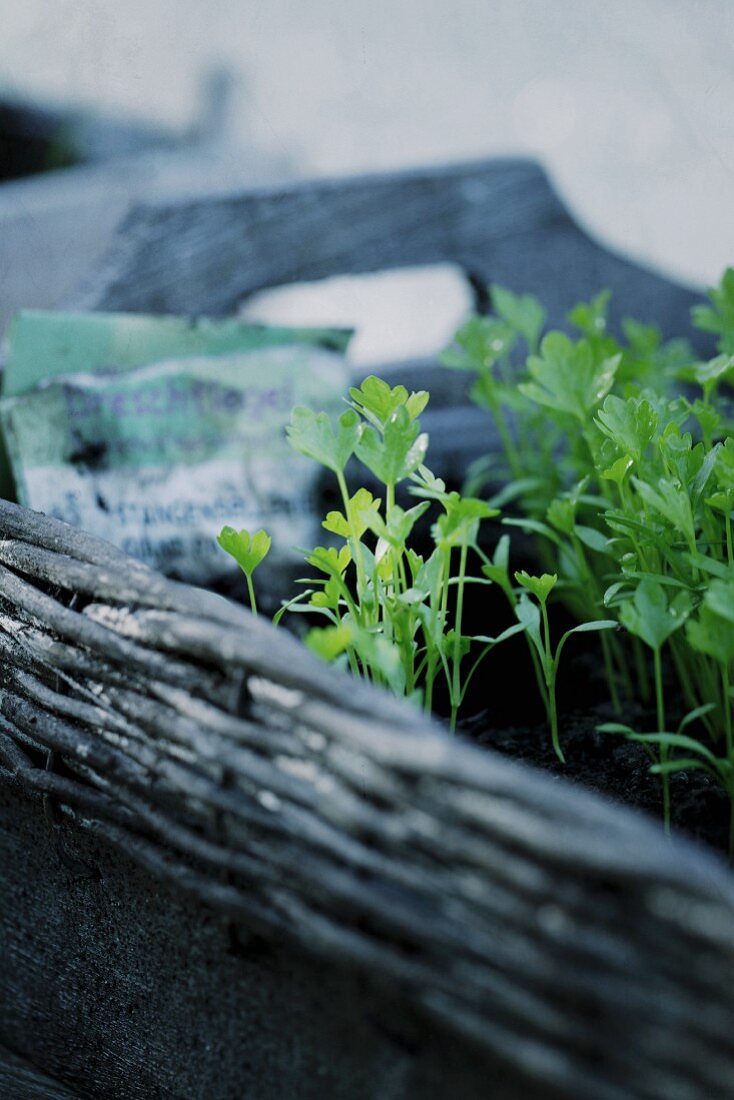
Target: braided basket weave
(559, 933)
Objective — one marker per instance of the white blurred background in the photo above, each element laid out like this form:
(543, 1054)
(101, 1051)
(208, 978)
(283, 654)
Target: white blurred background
(629, 104)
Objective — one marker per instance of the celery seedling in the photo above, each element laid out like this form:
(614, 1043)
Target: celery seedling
(627, 487)
(395, 616)
(654, 618)
(538, 630)
(248, 551)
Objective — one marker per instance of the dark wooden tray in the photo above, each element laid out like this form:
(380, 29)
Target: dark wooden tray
(230, 871)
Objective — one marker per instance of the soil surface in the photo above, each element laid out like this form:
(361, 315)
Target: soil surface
(612, 766)
(505, 713)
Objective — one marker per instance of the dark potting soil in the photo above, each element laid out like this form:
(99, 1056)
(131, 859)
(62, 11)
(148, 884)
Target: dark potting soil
(612, 766)
(504, 712)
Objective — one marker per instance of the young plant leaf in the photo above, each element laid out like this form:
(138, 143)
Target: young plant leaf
(539, 586)
(567, 378)
(521, 312)
(479, 344)
(246, 549)
(650, 617)
(362, 505)
(712, 632)
(377, 402)
(630, 424)
(328, 642)
(398, 453)
(312, 435)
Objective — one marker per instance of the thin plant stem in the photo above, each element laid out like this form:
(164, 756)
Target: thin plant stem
(456, 684)
(610, 674)
(727, 709)
(251, 593)
(550, 681)
(355, 544)
(660, 711)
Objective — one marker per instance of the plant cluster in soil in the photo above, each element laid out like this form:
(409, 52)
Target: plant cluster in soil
(505, 714)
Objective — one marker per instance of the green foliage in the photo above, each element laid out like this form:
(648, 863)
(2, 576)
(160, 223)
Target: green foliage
(522, 313)
(651, 615)
(394, 451)
(540, 587)
(567, 378)
(248, 551)
(718, 317)
(626, 484)
(394, 616)
(623, 478)
(537, 625)
(312, 435)
(630, 424)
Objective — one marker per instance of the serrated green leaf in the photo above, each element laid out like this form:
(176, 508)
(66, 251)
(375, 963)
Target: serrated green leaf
(650, 616)
(397, 453)
(618, 470)
(329, 596)
(329, 560)
(396, 528)
(521, 312)
(719, 316)
(460, 520)
(630, 424)
(312, 435)
(567, 378)
(561, 514)
(361, 505)
(377, 401)
(724, 467)
(672, 502)
(591, 317)
(712, 631)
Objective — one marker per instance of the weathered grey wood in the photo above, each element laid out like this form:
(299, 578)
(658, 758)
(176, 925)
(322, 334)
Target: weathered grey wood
(55, 228)
(162, 1001)
(573, 948)
(499, 220)
(20, 1081)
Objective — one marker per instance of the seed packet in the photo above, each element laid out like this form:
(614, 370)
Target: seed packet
(155, 432)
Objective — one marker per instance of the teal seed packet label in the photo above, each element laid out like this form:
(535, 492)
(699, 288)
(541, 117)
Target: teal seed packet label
(155, 432)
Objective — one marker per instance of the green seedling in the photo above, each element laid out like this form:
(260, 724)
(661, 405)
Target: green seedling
(534, 617)
(394, 616)
(653, 615)
(718, 317)
(625, 482)
(248, 551)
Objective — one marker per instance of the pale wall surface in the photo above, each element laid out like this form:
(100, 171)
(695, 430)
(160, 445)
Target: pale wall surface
(629, 103)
